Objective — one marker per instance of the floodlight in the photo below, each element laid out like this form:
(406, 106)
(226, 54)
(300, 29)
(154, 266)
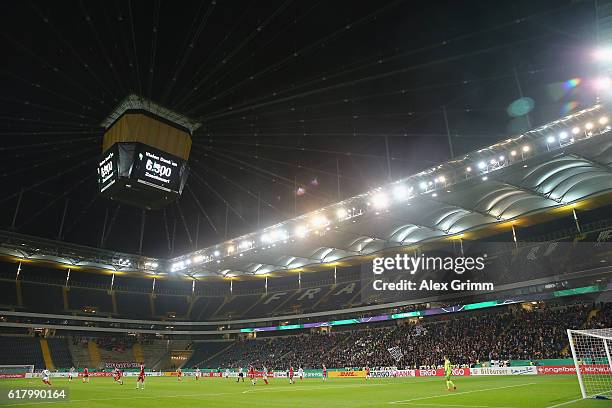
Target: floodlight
(380, 200)
(300, 231)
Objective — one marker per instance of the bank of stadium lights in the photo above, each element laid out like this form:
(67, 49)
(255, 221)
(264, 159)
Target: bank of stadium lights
(245, 245)
(562, 138)
(151, 265)
(274, 236)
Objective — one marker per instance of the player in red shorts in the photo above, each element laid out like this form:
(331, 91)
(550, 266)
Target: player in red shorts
(324, 373)
(367, 372)
(252, 375)
(291, 375)
(141, 378)
(117, 376)
(45, 377)
(85, 374)
(179, 374)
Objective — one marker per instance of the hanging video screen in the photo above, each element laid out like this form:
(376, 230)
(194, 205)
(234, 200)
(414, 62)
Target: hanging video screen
(157, 168)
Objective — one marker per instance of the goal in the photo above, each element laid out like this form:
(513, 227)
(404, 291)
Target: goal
(591, 350)
(16, 371)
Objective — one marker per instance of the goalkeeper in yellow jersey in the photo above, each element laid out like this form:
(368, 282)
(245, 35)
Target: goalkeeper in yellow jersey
(448, 372)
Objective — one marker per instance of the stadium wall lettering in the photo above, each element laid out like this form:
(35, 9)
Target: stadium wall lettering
(439, 372)
(527, 370)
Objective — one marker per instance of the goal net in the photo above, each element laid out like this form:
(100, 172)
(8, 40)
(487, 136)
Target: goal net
(591, 350)
(16, 371)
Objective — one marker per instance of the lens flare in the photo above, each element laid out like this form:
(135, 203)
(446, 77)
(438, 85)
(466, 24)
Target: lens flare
(568, 107)
(571, 83)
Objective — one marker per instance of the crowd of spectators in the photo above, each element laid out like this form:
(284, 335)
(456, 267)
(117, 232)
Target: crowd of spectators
(114, 344)
(467, 339)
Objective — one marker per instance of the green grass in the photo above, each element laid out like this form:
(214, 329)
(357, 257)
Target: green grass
(477, 392)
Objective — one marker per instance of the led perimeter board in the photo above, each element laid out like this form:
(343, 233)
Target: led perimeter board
(141, 175)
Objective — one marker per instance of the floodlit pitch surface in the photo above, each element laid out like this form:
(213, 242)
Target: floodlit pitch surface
(477, 392)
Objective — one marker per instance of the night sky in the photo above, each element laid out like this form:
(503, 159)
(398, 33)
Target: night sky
(287, 92)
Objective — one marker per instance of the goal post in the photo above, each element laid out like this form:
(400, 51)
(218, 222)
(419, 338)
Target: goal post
(592, 354)
(16, 371)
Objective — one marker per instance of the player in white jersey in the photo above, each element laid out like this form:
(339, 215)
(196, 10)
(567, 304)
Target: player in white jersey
(227, 373)
(45, 377)
(70, 373)
(265, 374)
(240, 375)
(198, 374)
(301, 373)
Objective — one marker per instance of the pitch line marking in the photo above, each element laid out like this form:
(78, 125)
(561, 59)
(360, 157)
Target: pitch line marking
(459, 393)
(322, 387)
(420, 404)
(565, 403)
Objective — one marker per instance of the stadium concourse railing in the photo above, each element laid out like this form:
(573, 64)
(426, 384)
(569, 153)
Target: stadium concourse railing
(28, 320)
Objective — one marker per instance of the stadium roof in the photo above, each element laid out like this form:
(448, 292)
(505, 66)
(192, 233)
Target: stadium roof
(555, 165)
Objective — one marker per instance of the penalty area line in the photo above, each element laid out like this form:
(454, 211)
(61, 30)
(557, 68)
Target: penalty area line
(459, 393)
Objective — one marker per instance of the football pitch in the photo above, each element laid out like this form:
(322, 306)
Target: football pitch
(477, 392)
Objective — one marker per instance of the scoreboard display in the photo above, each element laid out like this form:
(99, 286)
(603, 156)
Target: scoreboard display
(107, 169)
(157, 169)
(141, 175)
